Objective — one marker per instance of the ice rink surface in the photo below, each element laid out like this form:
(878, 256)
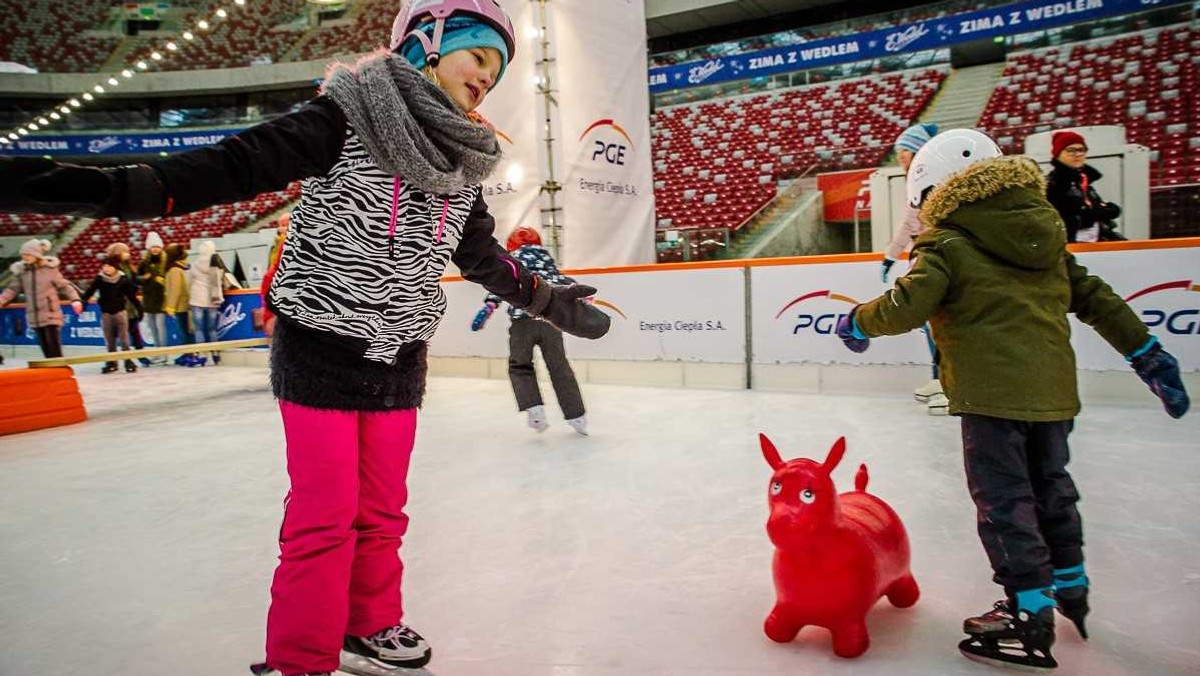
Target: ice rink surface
(142, 542)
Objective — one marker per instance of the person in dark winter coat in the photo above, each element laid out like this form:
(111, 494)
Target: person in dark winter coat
(994, 278)
(525, 333)
(116, 292)
(393, 157)
(121, 249)
(38, 277)
(1071, 189)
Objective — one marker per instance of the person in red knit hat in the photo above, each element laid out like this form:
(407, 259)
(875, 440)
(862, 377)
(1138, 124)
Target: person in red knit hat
(1071, 188)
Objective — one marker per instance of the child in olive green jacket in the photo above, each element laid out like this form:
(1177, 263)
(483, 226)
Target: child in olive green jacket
(996, 283)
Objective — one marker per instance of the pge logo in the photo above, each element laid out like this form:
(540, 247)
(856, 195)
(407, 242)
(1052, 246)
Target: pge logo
(603, 303)
(613, 153)
(823, 323)
(1166, 313)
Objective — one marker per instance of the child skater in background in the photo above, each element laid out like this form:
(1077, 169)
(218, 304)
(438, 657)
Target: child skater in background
(394, 157)
(908, 144)
(117, 291)
(994, 278)
(37, 276)
(526, 332)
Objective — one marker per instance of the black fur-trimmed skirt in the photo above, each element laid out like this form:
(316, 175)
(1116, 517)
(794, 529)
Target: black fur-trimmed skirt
(319, 369)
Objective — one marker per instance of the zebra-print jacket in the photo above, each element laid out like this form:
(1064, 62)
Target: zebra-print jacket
(357, 289)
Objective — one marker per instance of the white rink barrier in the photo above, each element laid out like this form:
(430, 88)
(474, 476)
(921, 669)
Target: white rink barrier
(768, 323)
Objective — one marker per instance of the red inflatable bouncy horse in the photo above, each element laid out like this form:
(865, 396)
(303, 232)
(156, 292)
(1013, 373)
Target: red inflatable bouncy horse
(835, 555)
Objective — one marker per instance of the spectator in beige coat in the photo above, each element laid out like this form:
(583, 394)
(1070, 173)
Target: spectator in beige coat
(176, 303)
(38, 277)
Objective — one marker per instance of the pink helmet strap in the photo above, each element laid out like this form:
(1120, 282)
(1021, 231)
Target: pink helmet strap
(432, 48)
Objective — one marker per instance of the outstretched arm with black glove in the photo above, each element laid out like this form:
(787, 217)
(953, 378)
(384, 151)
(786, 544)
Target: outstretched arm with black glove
(261, 159)
(483, 261)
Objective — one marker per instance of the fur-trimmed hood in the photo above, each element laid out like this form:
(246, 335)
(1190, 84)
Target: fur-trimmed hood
(1001, 205)
(47, 262)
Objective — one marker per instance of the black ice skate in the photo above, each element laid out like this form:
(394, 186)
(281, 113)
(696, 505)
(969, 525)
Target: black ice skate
(109, 367)
(130, 367)
(1073, 604)
(1001, 638)
(384, 652)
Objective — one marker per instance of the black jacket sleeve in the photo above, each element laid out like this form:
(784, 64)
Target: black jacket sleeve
(264, 158)
(482, 260)
(90, 290)
(1057, 193)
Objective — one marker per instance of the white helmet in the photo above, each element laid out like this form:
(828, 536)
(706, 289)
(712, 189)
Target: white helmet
(943, 156)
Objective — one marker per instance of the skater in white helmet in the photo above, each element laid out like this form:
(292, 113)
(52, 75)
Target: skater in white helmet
(908, 144)
(995, 280)
(393, 156)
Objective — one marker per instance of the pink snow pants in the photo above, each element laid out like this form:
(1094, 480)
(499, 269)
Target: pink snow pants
(339, 565)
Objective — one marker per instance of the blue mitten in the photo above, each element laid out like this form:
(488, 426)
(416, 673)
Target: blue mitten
(483, 315)
(851, 335)
(1159, 370)
(887, 267)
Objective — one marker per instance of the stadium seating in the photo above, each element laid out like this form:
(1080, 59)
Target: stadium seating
(372, 28)
(49, 34)
(254, 32)
(1146, 82)
(16, 225)
(718, 162)
(81, 257)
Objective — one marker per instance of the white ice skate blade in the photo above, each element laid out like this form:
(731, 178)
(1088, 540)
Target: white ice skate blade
(362, 666)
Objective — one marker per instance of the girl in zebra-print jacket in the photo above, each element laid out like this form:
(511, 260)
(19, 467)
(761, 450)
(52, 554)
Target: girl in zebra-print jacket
(392, 162)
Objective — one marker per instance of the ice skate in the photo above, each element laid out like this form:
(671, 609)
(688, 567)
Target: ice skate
(1071, 592)
(130, 366)
(537, 418)
(924, 392)
(394, 650)
(579, 425)
(264, 670)
(1020, 641)
(938, 404)
(109, 367)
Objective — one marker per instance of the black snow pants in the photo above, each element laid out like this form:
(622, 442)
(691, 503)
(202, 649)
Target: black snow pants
(1024, 498)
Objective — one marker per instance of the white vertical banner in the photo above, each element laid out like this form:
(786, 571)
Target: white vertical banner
(513, 108)
(604, 110)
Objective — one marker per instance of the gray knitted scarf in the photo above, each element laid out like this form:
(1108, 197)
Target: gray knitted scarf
(410, 127)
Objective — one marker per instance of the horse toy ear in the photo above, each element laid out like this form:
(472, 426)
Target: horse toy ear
(835, 455)
(770, 452)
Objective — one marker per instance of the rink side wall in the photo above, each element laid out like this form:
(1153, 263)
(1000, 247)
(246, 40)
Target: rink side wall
(768, 324)
(762, 324)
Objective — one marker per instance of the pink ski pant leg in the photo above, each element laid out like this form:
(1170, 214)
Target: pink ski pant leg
(339, 568)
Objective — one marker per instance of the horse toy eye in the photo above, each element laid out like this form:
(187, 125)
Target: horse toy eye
(776, 488)
(807, 496)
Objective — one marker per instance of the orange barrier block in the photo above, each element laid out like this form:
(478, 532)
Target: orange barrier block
(35, 399)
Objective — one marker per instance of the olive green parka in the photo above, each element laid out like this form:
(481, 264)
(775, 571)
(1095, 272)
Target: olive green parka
(995, 281)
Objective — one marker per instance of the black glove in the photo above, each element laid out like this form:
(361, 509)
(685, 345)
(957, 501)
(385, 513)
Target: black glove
(41, 186)
(1158, 369)
(1105, 211)
(563, 307)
